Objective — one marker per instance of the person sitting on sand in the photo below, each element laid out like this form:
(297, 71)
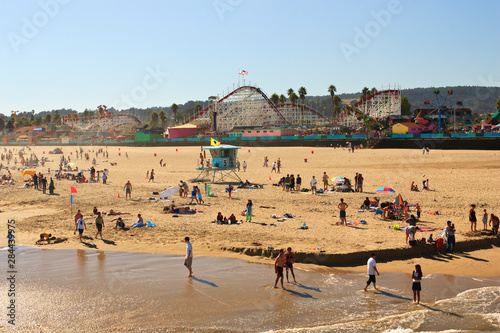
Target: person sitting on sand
(112, 212)
(219, 218)
(430, 240)
(375, 202)
(366, 204)
(120, 223)
(139, 223)
(95, 211)
(494, 223)
(44, 237)
(232, 218)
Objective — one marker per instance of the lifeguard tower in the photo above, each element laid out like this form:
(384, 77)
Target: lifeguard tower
(220, 165)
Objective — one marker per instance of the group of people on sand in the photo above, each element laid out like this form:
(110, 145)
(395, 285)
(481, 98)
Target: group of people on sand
(493, 220)
(220, 219)
(81, 224)
(425, 186)
(290, 183)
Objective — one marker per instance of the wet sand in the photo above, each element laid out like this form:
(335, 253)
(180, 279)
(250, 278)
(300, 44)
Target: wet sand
(89, 291)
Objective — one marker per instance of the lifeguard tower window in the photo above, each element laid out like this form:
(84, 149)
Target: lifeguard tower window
(215, 153)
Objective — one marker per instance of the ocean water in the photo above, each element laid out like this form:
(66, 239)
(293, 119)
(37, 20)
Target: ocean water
(96, 291)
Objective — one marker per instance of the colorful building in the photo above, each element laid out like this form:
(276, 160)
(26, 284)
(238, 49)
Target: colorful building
(412, 128)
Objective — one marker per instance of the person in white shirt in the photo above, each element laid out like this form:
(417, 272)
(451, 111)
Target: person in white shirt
(80, 225)
(314, 181)
(372, 269)
(188, 262)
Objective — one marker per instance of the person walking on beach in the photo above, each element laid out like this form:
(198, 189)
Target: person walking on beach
(104, 177)
(313, 185)
(152, 176)
(273, 167)
(289, 261)
(325, 181)
(80, 225)
(51, 186)
(188, 262)
(416, 286)
(342, 206)
(360, 183)
(245, 166)
(450, 237)
(265, 161)
(128, 190)
(472, 218)
(278, 165)
(99, 223)
(372, 269)
(249, 211)
(78, 215)
(419, 210)
(298, 182)
(279, 263)
(230, 190)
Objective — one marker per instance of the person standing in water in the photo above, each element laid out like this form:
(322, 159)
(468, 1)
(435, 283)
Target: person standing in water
(289, 261)
(188, 262)
(372, 269)
(279, 263)
(416, 286)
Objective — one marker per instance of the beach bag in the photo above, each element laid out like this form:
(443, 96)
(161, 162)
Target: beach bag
(412, 242)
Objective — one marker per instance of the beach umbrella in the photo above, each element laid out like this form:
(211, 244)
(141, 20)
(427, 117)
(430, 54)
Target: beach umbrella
(169, 191)
(28, 172)
(399, 200)
(385, 190)
(70, 164)
(339, 179)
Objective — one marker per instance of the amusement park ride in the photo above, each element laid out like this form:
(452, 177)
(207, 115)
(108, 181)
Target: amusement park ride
(443, 105)
(103, 122)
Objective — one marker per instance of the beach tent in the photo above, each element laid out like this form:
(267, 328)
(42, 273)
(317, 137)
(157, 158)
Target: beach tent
(56, 151)
(169, 192)
(28, 172)
(399, 200)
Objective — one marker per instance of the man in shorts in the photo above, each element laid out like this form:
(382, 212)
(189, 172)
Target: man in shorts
(298, 182)
(99, 223)
(325, 181)
(372, 269)
(342, 206)
(313, 185)
(279, 263)
(80, 225)
(289, 261)
(188, 262)
(128, 190)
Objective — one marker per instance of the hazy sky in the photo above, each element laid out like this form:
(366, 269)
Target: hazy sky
(123, 53)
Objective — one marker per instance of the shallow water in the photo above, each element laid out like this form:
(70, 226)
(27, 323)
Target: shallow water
(90, 291)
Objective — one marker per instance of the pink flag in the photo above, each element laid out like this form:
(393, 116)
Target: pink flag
(73, 189)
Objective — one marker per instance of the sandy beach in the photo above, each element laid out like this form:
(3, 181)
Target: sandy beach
(456, 179)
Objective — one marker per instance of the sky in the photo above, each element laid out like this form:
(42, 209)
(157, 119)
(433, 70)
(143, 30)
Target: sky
(122, 53)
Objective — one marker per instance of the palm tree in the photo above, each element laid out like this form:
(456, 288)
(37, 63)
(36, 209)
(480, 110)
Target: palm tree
(332, 90)
(154, 119)
(174, 108)
(294, 98)
(282, 99)
(336, 104)
(364, 93)
(275, 99)
(373, 91)
(302, 94)
(289, 93)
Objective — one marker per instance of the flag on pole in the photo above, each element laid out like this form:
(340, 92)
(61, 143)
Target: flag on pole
(243, 72)
(73, 189)
(71, 199)
(214, 142)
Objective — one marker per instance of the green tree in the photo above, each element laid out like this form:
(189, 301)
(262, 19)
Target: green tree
(405, 106)
(32, 116)
(294, 98)
(336, 105)
(175, 108)
(38, 121)
(48, 118)
(275, 99)
(2, 124)
(289, 93)
(154, 119)
(364, 93)
(302, 94)
(282, 99)
(332, 90)
(498, 104)
(57, 117)
(163, 117)
(373, 91)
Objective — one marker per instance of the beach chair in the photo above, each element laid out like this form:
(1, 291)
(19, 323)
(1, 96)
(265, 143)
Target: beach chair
(151, 224)
(378, 212)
